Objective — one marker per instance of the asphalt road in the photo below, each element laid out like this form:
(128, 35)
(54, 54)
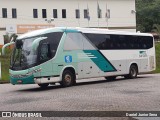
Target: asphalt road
(141, 94)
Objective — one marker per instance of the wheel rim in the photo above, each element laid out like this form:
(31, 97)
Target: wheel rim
(133, 72)
(68, 79)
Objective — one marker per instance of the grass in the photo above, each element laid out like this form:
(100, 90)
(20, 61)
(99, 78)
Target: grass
(5, 62)
(157, 58)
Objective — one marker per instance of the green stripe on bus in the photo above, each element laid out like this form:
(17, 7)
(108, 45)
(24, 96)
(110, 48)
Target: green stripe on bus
(100, 60)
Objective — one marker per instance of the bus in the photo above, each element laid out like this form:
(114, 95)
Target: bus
(66, 54)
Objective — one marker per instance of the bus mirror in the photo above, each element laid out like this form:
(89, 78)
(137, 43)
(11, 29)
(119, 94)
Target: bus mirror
(36, 42)
(19, 44)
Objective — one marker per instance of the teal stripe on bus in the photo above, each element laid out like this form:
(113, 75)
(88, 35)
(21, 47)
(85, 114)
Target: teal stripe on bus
(101, 61)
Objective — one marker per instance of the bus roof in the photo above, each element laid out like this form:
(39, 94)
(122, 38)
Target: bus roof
(107, 31)
(83, 30)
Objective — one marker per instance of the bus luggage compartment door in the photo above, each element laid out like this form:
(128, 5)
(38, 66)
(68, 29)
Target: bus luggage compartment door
(89, 69)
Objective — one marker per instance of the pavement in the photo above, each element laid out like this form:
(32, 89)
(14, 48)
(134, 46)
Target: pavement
(140, 94)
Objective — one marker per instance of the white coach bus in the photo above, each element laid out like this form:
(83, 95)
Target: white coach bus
(65, 55)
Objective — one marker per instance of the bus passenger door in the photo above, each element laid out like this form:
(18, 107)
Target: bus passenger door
(44, 57)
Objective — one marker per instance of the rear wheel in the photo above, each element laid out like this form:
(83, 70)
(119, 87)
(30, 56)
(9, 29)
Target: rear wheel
(133, 72)
(68, 79)
(44, 85)
(110, 78)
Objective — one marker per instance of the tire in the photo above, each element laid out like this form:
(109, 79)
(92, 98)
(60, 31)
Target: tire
(111, 78)
(68, 79)
(133, 72)
(44, 85)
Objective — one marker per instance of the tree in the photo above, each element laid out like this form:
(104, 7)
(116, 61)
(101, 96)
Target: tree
(156, 29)
(10, 38)
(148, 14)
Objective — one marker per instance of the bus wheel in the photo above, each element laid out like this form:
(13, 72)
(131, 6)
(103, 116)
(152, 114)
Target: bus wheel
(44, 85)
(132, 72)
(110, 78)
(67, 78)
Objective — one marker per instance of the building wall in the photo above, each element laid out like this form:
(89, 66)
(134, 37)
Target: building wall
(121, 17)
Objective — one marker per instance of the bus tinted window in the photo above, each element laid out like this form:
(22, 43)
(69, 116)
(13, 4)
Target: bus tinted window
(53, 39)
(73, 41)
(105, 41)
(77, 41)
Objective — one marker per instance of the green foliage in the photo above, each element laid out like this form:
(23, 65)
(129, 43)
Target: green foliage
(156, 29)
(5, 68)
(6, 38)
(148, 14)
(157, 58)
(10, 38)
(5, 63)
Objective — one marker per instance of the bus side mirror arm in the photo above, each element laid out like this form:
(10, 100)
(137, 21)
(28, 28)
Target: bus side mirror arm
(6, 45)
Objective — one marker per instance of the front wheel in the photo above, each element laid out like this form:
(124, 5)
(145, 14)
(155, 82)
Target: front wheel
(67, 79)
(133, 72)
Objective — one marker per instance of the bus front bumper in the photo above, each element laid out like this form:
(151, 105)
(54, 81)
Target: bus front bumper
(24, 80)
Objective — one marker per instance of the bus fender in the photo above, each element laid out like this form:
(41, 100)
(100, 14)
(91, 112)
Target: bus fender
(133, 62)
(65, 67)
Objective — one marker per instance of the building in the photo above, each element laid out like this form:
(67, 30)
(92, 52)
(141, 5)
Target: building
(20, 16)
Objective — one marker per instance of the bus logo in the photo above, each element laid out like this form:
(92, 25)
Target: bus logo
(142, 54)
(68, 59)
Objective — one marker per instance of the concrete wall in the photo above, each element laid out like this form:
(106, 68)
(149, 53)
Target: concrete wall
(121, 16)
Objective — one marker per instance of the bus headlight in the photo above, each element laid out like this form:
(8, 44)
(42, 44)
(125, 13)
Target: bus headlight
(26, 75)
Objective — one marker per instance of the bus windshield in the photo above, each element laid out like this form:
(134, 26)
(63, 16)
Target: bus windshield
(23, 55)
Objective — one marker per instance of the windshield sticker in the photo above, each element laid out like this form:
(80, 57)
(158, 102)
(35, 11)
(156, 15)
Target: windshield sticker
(68, 59)
(142, 54)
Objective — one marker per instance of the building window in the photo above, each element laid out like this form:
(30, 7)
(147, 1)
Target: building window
(44, 13)
(14, 13)
(63, 13)
(55, 13)
(85, 13)
(4, 12)
(77, 13)
(35, 13)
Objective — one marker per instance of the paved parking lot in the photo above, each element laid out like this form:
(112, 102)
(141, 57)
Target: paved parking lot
(141, 94)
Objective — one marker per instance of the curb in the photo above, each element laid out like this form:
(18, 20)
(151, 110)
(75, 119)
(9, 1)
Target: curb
(4, 82)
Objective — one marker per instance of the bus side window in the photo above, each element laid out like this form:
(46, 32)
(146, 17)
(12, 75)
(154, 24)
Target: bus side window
(135, 42)
(87, 44)
(121, 41)
(92, 38)
(54, 39)
(144, 41)
(114, 41)
(73, 41)
(150, 42)
(99, 40)
(108, 42)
